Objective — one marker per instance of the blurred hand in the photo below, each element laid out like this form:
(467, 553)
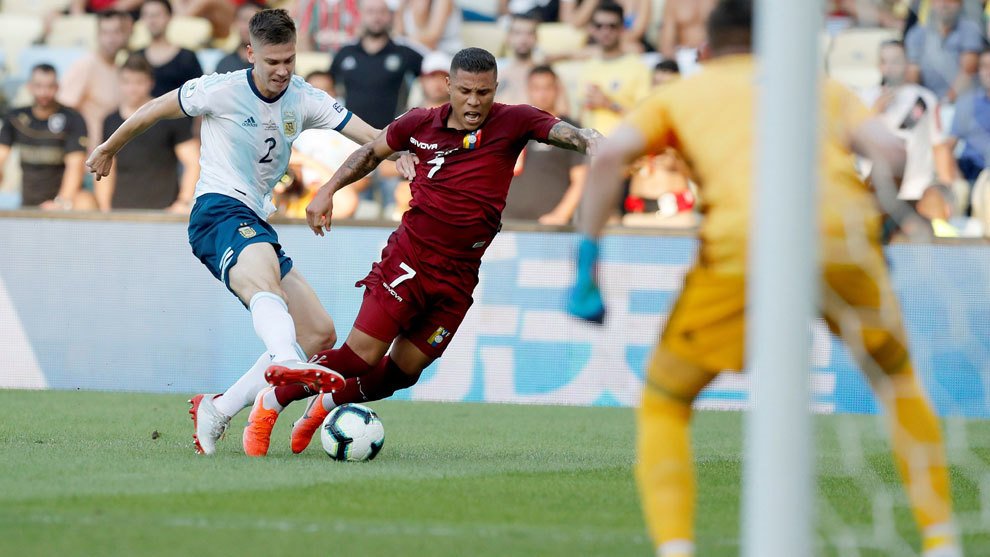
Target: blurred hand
(179, 207)
(595, 98)
(554, 219)
(406, 166)
(99, 161)
(319, 211)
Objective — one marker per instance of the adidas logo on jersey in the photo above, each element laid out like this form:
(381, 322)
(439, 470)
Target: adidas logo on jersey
(250, 123)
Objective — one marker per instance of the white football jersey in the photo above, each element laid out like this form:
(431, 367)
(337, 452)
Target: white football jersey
(247, 138)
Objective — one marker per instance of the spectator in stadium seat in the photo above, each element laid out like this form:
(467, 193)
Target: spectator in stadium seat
(237, 60)
(52, 141)
(325, 26)
(683, 31)
(434, 24)
(541, 10)
(145, 173)
(636, 20)
(316, 155)
(660, 189)
(547, 181)
(92, 85)
(612, 82)
(943, 52)
(513, 71)
(911, 112)
(173, 65)
(373, 72)
(972, 124)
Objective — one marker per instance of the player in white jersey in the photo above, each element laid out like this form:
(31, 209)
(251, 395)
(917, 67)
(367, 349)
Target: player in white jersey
(250, 118)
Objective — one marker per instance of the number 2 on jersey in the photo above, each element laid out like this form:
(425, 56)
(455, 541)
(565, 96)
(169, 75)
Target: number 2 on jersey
(437, 162)
(271, 145)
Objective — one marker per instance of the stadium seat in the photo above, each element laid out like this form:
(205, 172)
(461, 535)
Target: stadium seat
(307, 62)
(61, 58)
(18, 32)
(560, 38)
(73, 31)
(489, 36)
(852, 56)
(34, 7)
(185, 31)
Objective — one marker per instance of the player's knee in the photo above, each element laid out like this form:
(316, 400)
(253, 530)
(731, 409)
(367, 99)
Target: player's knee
(886, 351)
(318, 338)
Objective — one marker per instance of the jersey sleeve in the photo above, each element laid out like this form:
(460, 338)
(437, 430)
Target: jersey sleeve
(397, 133)
(536, 123)
(76, 134)
(323, 111)
(651, 118)
(195, 97)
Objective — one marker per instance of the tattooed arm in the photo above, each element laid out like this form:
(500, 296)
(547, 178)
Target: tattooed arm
(357, 166)
(566, 136)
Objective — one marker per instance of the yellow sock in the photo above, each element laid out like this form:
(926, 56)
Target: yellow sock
(665, 473)
(920, 457)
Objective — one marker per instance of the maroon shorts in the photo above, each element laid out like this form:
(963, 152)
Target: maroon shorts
(418, 293)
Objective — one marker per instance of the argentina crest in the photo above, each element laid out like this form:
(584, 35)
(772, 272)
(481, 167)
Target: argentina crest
(289, 122)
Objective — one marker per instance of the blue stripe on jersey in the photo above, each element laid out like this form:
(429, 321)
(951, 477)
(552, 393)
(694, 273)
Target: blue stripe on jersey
(258, 94)
(180, 100)
(344, 122)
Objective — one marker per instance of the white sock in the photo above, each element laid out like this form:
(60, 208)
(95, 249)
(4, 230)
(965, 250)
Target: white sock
(676, 548)
(274, 326)
(327, 400)
(271, 402)
(241, 394)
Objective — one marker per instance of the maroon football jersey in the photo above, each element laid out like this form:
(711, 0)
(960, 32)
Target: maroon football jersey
(463, 177)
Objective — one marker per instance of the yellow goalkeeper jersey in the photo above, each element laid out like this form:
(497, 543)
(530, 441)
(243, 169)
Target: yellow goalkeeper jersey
(709, 118)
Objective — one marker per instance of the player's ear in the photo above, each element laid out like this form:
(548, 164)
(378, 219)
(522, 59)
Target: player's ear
(250, 53)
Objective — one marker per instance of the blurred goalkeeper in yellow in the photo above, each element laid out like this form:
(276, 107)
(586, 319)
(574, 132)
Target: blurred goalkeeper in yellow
(706, 328)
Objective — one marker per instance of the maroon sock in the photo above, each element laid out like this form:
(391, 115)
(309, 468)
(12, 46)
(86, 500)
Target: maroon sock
(289, 393)
(381, 382)
(343, 360)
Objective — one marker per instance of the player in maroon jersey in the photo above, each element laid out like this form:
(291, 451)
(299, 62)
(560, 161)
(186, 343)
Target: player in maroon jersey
(419, 292)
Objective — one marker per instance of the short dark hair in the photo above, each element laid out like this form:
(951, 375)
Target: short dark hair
(891, 42)
(137, 63)
(610, 7)
(111, 14)
(542, 70)
(166, 3)
(731, 24)
(668, 66)
(473, 60)
(273, 27)
(44, 68)
(532, 15)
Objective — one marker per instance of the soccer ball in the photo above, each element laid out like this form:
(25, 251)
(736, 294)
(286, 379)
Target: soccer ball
(352, 432)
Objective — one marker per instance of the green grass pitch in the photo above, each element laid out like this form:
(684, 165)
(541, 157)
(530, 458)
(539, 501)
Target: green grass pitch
(81, 474)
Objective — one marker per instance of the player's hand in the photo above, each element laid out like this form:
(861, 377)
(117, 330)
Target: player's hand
(100, 161)
(180, 207)
(585, 299)
(406, 166)
(554, 219)
(319, 210)
(593, 141)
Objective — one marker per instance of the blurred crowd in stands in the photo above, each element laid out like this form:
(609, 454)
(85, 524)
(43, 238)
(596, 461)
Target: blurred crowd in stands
(73, 70)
